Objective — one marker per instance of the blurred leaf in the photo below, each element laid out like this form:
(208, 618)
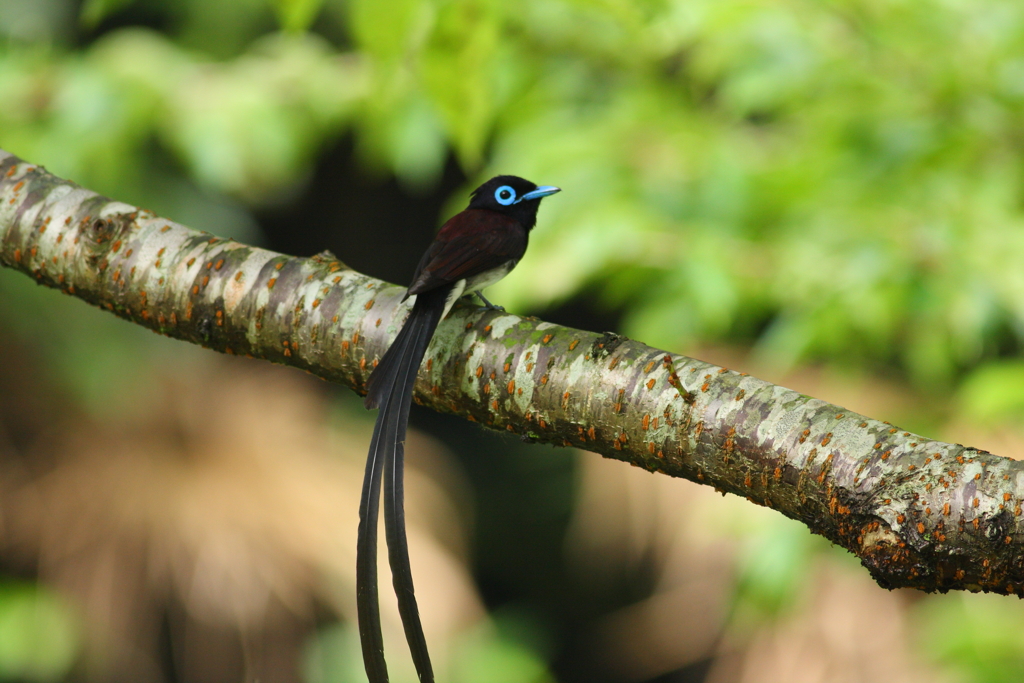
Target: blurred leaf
(333, 656)
(771, 570)
(39, 636)
(386, 30)
(95, 11)
(487, 656)
(296, 15)
(484, 653)
(38, 21)
(418, 145)
(459, 74)
(977, 636)
(994, 392)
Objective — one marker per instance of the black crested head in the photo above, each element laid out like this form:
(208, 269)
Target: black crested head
(512, 196)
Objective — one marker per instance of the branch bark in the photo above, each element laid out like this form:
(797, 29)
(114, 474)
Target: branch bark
(917, 512)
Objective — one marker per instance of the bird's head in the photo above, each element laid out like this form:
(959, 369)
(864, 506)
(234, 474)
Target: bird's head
(512, 196)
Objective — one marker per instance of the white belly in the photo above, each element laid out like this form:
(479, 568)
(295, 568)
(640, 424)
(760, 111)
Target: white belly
(475, 284)
(488, 278)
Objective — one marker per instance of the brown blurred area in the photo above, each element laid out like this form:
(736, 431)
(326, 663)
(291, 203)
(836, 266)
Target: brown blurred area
(840, 628)
(206, 535)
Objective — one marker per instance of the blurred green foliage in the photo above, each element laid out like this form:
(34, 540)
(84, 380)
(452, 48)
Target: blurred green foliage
(39, 634)
(976, 636)
(993, 391)
(837, 181)
(484, 654)
(772, 568)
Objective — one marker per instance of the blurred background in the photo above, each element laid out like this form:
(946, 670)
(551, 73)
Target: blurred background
(827, 195)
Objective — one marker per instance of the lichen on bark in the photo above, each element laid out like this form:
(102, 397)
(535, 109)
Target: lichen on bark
(918, 512)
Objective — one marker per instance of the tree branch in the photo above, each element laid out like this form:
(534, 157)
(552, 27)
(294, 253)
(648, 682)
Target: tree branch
(919, 513)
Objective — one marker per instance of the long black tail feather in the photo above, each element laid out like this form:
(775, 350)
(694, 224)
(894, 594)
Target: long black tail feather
(390, 387)
(366, 565)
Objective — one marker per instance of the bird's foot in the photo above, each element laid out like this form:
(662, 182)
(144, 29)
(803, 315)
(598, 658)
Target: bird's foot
(488, 304)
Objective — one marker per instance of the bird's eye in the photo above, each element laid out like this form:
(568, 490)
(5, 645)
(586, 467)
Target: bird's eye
(505, 195)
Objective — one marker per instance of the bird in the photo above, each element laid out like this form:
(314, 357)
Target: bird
(473, 249)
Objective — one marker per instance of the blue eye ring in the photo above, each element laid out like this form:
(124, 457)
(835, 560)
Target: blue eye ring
(505, 195)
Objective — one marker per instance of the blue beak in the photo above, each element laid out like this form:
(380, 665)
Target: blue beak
(542, 191)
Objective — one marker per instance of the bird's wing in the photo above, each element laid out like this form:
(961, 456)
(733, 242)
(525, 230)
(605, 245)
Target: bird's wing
(472, 242)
